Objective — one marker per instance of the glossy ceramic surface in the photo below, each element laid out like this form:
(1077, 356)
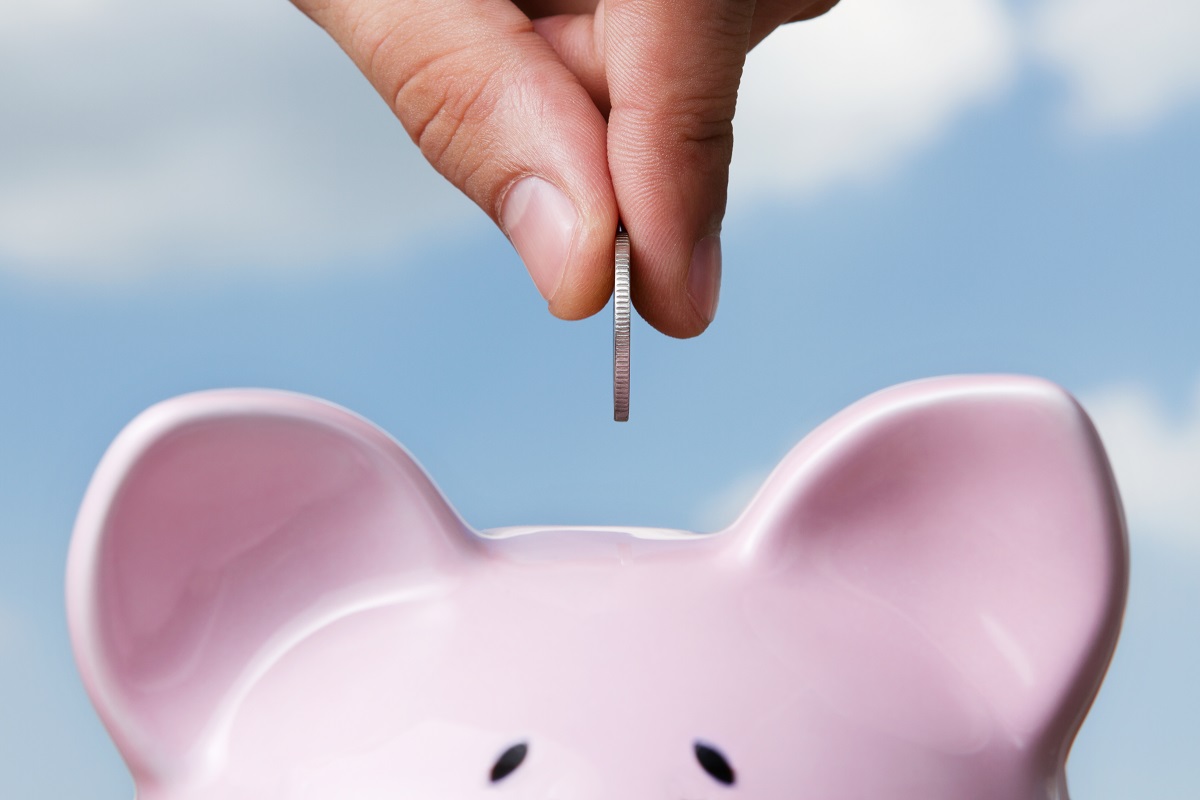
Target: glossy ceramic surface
(269, 599)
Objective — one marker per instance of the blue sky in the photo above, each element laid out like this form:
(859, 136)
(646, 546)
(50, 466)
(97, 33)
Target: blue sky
(991, 207)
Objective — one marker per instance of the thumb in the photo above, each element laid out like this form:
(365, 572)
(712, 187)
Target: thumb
(497, 113)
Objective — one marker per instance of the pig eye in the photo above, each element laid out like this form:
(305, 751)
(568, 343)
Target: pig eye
(508, 761)
(714, 763)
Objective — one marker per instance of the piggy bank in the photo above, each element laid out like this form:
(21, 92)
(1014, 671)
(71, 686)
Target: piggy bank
(270, 600)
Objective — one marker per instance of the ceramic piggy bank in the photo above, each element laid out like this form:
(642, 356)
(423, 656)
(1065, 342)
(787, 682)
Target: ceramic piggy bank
(269, 600)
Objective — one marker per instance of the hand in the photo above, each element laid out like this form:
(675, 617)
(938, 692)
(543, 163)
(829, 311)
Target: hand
(552, 115)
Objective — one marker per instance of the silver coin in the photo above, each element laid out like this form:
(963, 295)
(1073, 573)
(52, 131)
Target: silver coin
(621, 311)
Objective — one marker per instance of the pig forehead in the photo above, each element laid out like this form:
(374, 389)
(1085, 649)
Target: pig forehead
(657, 650)
(522, 629)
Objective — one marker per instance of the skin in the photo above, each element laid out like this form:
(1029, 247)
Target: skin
(625, 106)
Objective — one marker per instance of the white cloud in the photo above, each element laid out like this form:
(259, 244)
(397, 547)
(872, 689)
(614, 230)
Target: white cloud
(143, 136)
(1156, 459)
(854, 93)
(140, 136)
(1126, 65)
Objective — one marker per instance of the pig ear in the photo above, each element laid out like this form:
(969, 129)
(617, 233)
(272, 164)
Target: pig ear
(219, 528)
(981, 510)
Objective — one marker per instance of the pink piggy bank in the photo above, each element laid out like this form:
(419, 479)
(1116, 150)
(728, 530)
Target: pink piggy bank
(269, 599)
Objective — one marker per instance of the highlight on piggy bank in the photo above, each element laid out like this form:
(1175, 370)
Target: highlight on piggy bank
(269, 599)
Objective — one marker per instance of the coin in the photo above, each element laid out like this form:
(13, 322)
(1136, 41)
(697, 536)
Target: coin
(621, 312)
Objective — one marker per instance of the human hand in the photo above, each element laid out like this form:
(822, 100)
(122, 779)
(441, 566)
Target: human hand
(553, 115)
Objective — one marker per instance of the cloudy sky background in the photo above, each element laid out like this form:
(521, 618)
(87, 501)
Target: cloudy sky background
(207, 194)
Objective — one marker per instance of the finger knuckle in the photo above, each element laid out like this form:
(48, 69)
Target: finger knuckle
(443, 110)
(440, 95)
(695, 129)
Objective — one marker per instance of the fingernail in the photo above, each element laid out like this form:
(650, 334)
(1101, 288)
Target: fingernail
(541, 223)
(704, 276)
